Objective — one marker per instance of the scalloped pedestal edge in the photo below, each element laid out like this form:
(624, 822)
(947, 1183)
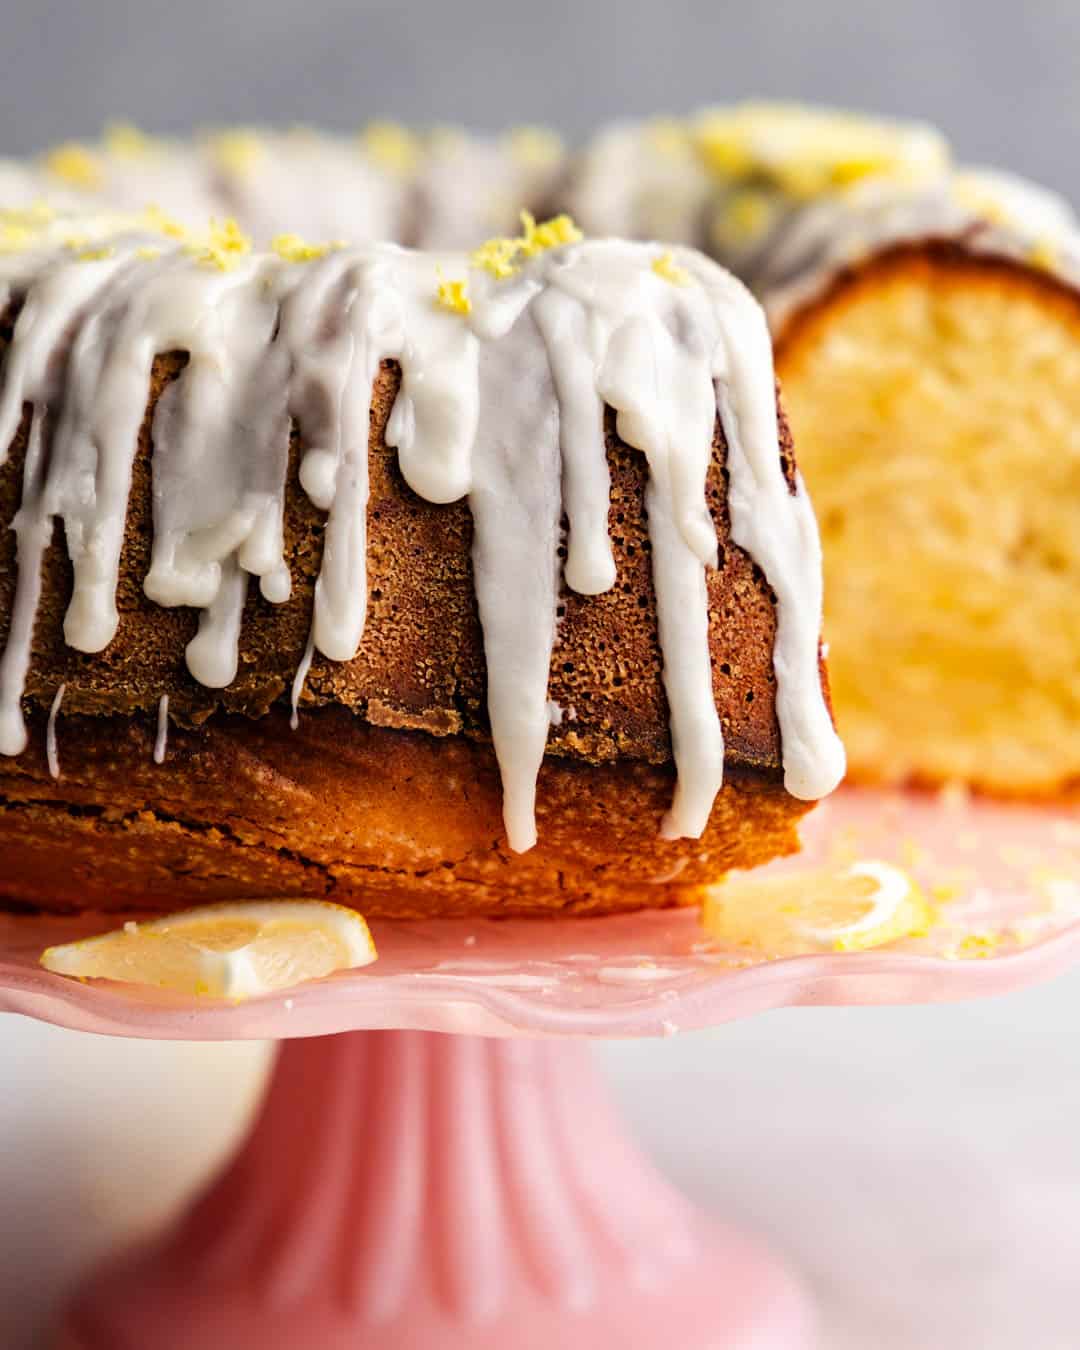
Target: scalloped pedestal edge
(411, 1189)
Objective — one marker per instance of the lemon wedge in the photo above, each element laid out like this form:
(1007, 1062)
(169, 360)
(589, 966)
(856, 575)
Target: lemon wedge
(839, 909)
(233, 951)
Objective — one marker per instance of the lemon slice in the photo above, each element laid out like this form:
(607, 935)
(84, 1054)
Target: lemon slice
(840, 909)
(233, 951)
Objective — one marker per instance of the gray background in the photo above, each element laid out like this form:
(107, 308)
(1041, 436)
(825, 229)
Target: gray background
(1002, 79)
(919, 1165)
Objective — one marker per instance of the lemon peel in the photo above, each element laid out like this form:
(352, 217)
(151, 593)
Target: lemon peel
(497, 257)
(454, 296)
(234, 950)
(76, 164)
(295, 250)
(537, 238)
(669, 270)
(156, 219)
(14, 237)
(500, 256)
(223, 248)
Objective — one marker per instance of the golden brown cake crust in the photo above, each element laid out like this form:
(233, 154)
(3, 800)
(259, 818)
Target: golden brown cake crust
(916, 257)
(387, 795)
(397, 823)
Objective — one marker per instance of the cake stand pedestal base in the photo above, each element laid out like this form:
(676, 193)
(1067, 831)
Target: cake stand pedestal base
(406, 1189)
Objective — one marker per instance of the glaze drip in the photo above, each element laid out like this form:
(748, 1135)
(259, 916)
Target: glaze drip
(501, 401)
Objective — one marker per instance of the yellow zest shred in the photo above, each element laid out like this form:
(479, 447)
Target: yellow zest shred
(497, 257)
(454, 295)
(392, 145)
(148, 253)
(549, 234)
(14, 237)
(157, 220)
(666, 267)
(979, 946)
(535, 146)
(95, 254)
(20, 226)
(224, 246)
(76, 164)
(296, 250)
(500, 256)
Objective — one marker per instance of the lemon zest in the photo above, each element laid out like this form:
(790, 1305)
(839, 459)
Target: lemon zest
(156, 219)
(225, 245)
(296, 250)
(500, 256)
(669, 270)
(979, 946)
(497, 257)
(454, 296)
(537, 238)
(76, 164)
(15, 237)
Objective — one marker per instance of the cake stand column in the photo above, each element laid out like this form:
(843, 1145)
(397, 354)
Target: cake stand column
(410, 1189)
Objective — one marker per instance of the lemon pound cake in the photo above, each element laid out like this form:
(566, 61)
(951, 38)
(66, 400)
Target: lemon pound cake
(932, 384)
(437, 583)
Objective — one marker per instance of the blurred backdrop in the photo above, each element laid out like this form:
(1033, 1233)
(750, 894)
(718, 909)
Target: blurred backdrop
(1001, 79)
(919, 1164)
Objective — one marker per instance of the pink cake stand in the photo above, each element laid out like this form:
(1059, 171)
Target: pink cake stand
(403, 1187)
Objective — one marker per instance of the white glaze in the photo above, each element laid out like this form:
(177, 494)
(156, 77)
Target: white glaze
(52, 758)
(502, 405)
(161, 738)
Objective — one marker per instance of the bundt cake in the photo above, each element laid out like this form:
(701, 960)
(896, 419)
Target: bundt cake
(525, 524)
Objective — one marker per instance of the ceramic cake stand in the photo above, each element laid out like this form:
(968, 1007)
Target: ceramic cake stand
(405, 1188)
